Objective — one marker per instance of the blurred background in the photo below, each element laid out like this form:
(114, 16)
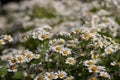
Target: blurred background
(18, 16)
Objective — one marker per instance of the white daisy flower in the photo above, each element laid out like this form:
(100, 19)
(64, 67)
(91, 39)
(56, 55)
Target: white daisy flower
(50, 76)
(61, 74)
(20, 58)
(43, 35)
(8, 38)
(93, 68)
(66, 51)
(108, 50)
(29, 56)
(57, 48)
(90, 62)
(70, 60)
(105, 74)
(12, 68)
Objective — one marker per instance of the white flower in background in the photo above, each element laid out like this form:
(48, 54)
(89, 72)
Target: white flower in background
(76, 30)
(113, 63)
(70, 60)
(101, 68)
(8, 38)
(36, 56)
(61, 74)
(105, 74)
(61, 40)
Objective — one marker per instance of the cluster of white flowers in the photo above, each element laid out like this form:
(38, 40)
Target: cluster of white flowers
(17, 57)
(53, 75)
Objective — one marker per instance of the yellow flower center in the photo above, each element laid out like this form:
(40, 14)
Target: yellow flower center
(12, 67)
(13, 60)
(65, 52)
(19, 58)
(40, 77)
(92, 31)
(90, 63)
(94, 68)
(60, 75)
(68, 78)
(23, 53)
(77, 30)
(43, 36)
(81, 54)
(29, 55)
(109, 50)
(51, 76)
(93, 78)
(58, 48)
(70, 60)
(85, 35)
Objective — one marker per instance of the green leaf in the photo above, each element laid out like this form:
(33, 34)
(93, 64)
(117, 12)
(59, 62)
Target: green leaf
(18, 75)
(3, 71)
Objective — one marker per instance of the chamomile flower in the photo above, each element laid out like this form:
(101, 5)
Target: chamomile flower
(12, 68)
(105, 74)
(29, 56)
(108, 50)
(20, 58)
(93, 68)
(8, 38)
(50, 76)
(57, 48)
(66, 51)
(70, 60)
(90, 62)
(43, 35)
(61, 40)
(61, 74)
(86, 36)
(12, 61)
